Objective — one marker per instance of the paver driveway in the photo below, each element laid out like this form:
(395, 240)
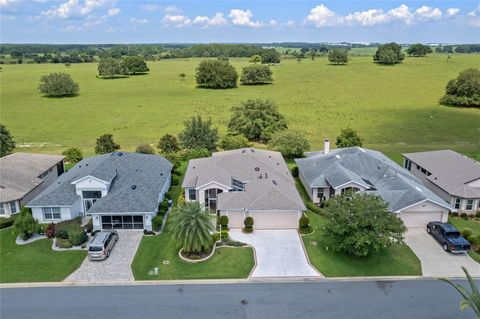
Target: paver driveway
(114, 268)
(435, 261)
(279, 253)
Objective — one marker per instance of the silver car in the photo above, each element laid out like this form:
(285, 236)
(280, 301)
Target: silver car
(102, 243)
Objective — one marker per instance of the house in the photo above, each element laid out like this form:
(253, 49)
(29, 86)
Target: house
(23, 176)
(328, 173)
(118, 190)
(245, 182)
(452, 176)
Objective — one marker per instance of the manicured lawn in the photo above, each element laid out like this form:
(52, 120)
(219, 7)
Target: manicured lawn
(34, 262)
(393, 108)
(473, 225)
(397, 261)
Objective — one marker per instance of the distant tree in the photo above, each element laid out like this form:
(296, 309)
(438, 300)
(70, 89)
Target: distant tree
(338, 56)
(270, 56)
(348, 138)
(464, 90)
(223, 58)
(7, 144)
(232, 142)
(191, 227)
(182, 76)
(67, 65)
(168, 144)
(256, 59)
(110, 67)
(145, 149)
(389, 53)
(135, 64)
(419, 49)
(360, 224)
(73, 155)
(216, 74)
(290, 143)
(199, 134)
(105, 144)
(312, 53)
(257, 120)
(256, 74)
(58, 85)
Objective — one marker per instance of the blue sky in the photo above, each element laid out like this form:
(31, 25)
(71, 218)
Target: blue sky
(118, 21)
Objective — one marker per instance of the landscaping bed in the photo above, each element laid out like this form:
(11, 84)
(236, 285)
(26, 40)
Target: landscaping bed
(474, 225)
(396, 261)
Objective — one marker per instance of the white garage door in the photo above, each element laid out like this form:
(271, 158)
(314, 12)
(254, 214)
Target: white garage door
(235, 219)
(420, 219)
(275, 220)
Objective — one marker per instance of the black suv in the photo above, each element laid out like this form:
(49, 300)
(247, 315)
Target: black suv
(449, 237)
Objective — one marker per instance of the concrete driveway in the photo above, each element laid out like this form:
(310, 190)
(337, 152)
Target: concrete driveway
(435, 261)
(114, 268)
(279, 253)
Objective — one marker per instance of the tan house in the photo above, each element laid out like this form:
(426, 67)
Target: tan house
(450, 175)
(245, 182)
(23, 176)
(326, 174)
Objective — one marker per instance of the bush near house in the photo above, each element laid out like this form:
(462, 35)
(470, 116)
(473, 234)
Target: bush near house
(63, 243)
(157, 222)
(25, 225)
(77, 236)
(6, 222)
(248, 222)
(50, 231)
(223, 221)
(70, 230)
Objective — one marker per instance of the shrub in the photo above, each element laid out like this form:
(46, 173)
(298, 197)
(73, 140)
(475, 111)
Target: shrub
(175, 180)
(89, 226)
(314, 208)
(464, 216)
(467, 232)
(41, 229)
(464, 90)
(58, 85)
(76, 236)
(106, 144)
(477, 215)
(303, 222)
(6, 222)
(168, 144)
(474, 240)
(145, 149)
(73, 155)
(232, 142)
(25, 225)
(215, 237)
(148, 232)
(294, 171)
(62, 228)
(216, 74)
(223, 220)
(157, 222)
(174, 158)
(248, 222)
(290, 143)
(163, 206)
(454, 214)
(50, 231)
(256, 74)
(224, 234)
(199, 134)
(63, 243)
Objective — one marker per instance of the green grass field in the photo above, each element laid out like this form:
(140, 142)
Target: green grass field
(394, 108)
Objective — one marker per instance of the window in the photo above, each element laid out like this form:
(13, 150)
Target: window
(51, 213)
(2, 209)
(349, 189)
(13, 207)
(238, 186)
(408, 164)
(469, 205)
(92, 194)
(320, 193)
(192, 194)
(457, 203)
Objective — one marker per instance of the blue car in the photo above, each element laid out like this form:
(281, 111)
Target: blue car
(449, 237)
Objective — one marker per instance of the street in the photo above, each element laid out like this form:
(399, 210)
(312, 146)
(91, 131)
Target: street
(410, 299)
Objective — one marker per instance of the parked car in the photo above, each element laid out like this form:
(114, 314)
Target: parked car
(102, 244)
(449, 237)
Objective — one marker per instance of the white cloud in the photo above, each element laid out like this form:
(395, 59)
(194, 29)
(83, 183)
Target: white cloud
(5, 3)
(290, 23)
(368, 18)
(243, 18)
(474, 18)
(151, 7)
(72, 28)
(401, 13)
(216, 20)
(273, 23)
(172, 9)
(76, 8)
(452, 11)
(427, 13)
(138, 21)
(177, 20)
(321, 16)
(113, 12)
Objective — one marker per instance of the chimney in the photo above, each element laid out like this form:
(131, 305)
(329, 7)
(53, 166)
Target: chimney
(326, 146)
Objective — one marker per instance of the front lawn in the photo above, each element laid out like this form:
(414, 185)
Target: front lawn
(396, 261)
(34, 262)
(461, 224)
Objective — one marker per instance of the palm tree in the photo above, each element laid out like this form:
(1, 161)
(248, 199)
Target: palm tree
(470, 298)
(192, 227)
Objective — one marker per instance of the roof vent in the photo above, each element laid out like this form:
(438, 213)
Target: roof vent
(243, 151)
(337, 156)
(252, 150)
(278, 163)
(161, 174)
(119, 153)
(274, 182)
(257, 169)
(133, 187)
(86, 164)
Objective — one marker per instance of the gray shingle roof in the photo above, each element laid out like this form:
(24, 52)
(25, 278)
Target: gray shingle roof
(19, 173)
(148, 173)
(398, 187)
(274, 191)
(450, 170)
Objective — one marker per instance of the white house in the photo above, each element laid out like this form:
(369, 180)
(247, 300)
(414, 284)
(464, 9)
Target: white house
(23, 176)
(118, 190)
(245, 182)
(326, 174)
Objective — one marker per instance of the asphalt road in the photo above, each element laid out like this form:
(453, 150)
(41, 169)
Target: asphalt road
(413, 299)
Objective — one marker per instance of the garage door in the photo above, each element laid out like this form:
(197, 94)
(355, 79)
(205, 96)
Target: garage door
(235, 219)
(420, 219)
(275, 220)
(122, 222)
